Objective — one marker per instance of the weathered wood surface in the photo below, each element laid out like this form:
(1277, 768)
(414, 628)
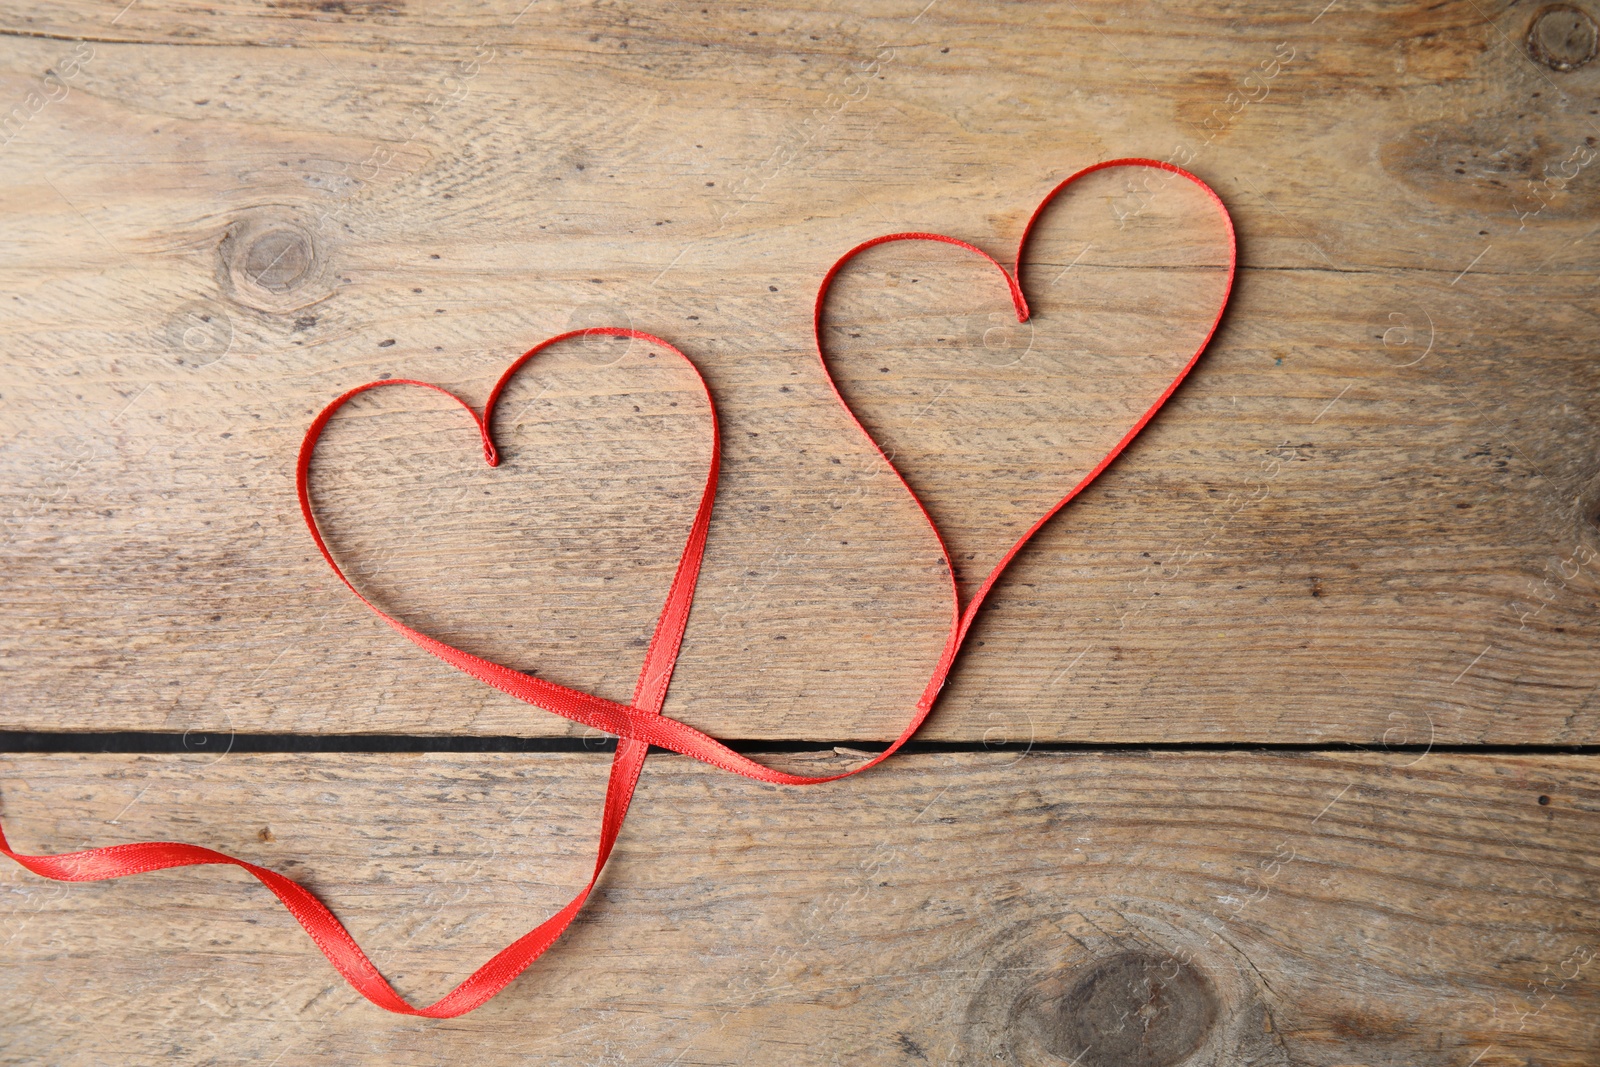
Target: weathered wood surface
(1372, 514)
(1302, 909)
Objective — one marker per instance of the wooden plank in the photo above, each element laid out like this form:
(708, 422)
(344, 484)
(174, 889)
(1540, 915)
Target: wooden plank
(1305, 908)
(1371, 517)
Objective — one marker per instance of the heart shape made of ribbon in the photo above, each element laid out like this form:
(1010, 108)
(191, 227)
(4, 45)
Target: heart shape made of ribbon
(638, 724)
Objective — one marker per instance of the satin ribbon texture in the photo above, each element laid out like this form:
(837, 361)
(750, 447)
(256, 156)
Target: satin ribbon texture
(638, 724)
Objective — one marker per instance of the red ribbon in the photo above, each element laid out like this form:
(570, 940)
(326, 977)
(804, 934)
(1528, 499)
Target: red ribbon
(638, 724)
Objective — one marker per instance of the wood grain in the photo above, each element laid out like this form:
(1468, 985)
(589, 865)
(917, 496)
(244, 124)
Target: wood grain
(1308, 908)
(1370, 517)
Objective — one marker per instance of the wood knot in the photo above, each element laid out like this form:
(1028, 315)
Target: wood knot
(270, 261)
(1562, 37)
(277, 260)
(1134, 1009)
(1121, 987)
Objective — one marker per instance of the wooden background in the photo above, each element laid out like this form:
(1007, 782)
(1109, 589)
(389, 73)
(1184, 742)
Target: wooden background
(1371, 518)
